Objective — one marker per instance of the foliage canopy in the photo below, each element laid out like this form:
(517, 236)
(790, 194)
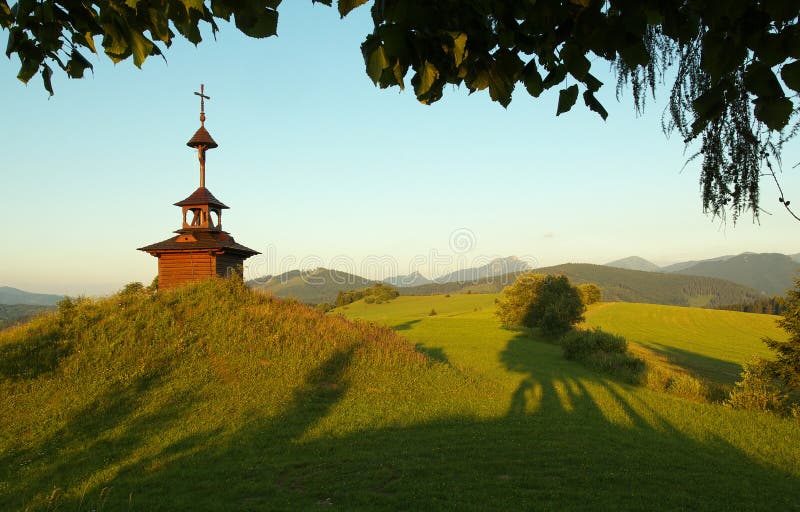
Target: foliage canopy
(548, 302)
(557, 307)
(733, 65)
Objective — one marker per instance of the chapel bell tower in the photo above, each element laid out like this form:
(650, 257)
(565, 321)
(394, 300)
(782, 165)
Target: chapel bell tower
(201, 249)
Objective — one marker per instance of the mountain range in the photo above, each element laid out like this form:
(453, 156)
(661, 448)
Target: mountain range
(496, 267)
(619, 285)
(767, 273)
(9, 295)
(313, 287)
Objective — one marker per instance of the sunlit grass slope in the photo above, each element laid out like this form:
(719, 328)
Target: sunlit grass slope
(711, 343)
(216, 398)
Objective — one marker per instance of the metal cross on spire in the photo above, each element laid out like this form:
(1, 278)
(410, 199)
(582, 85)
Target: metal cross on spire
(203, 97)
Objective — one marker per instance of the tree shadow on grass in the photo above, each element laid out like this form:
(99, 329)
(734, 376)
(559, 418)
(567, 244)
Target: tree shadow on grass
(571, 440)
(433, 353)
(705, 367)
(105, 431)
(32, 357)
(406, 326)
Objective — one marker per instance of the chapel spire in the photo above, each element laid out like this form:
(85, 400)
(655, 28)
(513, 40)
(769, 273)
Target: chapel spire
(202, 139)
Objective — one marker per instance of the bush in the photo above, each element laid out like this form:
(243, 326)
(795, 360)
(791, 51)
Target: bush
(577, 345)
(758, 389)
(376, 294)
(432, 313)
(324, 307)
(604, 352)
(590, 293)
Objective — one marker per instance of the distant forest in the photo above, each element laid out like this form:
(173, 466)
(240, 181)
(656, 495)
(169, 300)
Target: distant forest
(11, 314)
(768, 306)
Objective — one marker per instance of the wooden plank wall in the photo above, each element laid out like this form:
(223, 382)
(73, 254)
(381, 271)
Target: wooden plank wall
(175, 269)
(226, 261)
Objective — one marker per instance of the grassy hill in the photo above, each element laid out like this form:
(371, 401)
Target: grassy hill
(711, 343)
(212, 397)
(769, 273)
(312, 287)
(620, 285)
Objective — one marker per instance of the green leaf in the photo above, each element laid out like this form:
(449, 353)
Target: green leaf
(555, 77)
(761, 81)
(773, 112)
(566, 99)
(594, 105)
(459, 47)
(592, 83)
(47, 75)
(426, 76)
(197, 5)
(791, 75)
(258, 24)
(222, 9)
(399, 71)
(345, 6)
(707, 106)
(28, 68)
(77, 64)
(89, 38)
(141, 48)
(377, 63)
(532, 79)
(479, 81)
(575, 61)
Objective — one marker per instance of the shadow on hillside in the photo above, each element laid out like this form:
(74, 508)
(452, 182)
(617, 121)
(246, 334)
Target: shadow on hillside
(705, 367)
(32, 358)
(433, 353)
(406, 326)
(89, 429)
(567, 443)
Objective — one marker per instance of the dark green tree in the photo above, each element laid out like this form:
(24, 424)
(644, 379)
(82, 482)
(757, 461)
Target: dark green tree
(517, 298)
(787, 353)
(557, 307)
(733, 64)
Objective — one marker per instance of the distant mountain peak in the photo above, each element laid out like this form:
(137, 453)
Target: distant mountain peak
(413, 279)
(634, 263)
(496, 267)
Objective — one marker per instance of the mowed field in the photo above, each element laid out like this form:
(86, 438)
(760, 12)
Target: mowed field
(710, 343)
(216, 398)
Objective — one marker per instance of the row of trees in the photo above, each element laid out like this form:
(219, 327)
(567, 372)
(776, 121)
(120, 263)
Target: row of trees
(768, 306)
(377, 294)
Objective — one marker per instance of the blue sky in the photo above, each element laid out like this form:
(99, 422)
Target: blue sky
(320, 167)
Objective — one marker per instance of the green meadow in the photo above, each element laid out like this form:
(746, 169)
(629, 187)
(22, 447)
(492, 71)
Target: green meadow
(213, 397)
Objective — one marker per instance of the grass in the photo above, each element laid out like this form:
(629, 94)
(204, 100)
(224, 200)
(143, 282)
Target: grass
(710, 343)
(212, 397)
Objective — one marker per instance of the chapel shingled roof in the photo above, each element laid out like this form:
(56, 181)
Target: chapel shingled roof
(202, 138)
(204, 240)
(201, 196)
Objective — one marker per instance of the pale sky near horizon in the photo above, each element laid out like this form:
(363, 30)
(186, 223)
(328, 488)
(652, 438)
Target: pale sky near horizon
(321, 168)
